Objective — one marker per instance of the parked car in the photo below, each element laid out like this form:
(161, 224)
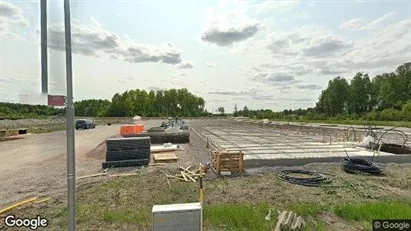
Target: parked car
(85, 124)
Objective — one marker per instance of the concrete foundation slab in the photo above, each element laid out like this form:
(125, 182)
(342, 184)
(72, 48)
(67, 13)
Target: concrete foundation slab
(267, 146)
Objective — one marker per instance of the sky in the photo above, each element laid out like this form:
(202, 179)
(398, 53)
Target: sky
(272, 54)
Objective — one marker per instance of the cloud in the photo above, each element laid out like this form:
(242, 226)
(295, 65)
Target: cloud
(274, 78)
(309, 87)
(306, 41)
(156, 88)
(380, 22)
(228, 36)
(327, 46)
(283, 5)
(352, 24)
(253, 94)
(211, 64)
(11, 15)
(121, 81)
(312, 49)
(182, 74)
(224, 27)
(93, 40)
(294, 99)
(185, 65)
(376, 24)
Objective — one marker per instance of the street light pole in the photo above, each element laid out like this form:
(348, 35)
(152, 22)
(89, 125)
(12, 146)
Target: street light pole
(43, 44)
(71, 167)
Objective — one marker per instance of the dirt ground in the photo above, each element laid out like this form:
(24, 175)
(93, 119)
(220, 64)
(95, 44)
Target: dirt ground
(36, 165)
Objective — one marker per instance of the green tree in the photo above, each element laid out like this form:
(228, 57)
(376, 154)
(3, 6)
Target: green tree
(221, 110)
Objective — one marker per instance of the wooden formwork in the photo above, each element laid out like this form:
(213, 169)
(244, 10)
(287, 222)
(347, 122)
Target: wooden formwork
(228, 162)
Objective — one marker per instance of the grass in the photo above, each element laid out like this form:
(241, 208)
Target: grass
(375, 210)
(235, 215)
(232, 203)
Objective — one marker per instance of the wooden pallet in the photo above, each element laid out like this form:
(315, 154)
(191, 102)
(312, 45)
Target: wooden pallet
(228, 162)
(165, 157)
(6, 134)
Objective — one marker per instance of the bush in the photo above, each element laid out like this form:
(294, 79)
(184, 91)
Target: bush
(406, 111)
(391, 114)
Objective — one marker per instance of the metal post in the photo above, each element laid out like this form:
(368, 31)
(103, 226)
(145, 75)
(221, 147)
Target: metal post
(43, 29)
(71, 168)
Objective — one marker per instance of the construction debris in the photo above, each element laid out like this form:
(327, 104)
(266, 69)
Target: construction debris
(289, 221)
(10, 134)
(165, 157)
(165, 148)
(90, 176)
(186, 175)
(232, 162)
(23, 202)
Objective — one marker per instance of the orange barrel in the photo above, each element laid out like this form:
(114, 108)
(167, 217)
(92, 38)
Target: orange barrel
(139, 128)
(127, 129)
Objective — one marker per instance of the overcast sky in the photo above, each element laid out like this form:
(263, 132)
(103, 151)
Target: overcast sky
(263, 54)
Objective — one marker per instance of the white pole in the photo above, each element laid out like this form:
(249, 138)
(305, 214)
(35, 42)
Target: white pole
(71, 167)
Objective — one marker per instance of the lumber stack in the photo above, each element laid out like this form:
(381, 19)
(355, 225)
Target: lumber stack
(228, 162)
(125, 152)
(186, 175)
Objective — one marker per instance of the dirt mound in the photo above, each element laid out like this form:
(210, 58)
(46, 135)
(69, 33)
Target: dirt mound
(99, 152)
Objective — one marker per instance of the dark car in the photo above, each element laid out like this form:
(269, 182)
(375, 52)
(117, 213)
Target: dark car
(85, 124)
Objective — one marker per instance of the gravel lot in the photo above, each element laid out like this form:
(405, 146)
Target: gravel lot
(36, 165)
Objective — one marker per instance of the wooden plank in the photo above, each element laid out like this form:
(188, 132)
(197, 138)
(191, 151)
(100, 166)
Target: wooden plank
(165, 156)
(241, 162)
(185, 178)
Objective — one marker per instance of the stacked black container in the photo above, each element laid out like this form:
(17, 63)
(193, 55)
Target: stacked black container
(130, 151)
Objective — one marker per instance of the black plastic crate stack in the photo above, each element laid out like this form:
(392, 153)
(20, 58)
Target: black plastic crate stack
(125, 152)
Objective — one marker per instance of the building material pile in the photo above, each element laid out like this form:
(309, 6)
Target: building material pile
(6, 134)
(232, 162)
(289, 221)
(123, 152)
(186, 175)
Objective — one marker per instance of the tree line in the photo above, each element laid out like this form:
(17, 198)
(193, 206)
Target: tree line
(17, 111)
(386, 97)
(172, 102)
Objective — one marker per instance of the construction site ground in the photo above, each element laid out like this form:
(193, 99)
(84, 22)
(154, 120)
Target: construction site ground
(36, 166)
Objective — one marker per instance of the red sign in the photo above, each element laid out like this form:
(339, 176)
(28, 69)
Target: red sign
(56, 100)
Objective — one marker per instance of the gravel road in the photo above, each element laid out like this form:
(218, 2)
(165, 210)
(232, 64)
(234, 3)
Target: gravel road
(36, 165)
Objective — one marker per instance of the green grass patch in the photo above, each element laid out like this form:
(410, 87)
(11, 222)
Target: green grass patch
(306, 209)
(374, 210)
(244, 216)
